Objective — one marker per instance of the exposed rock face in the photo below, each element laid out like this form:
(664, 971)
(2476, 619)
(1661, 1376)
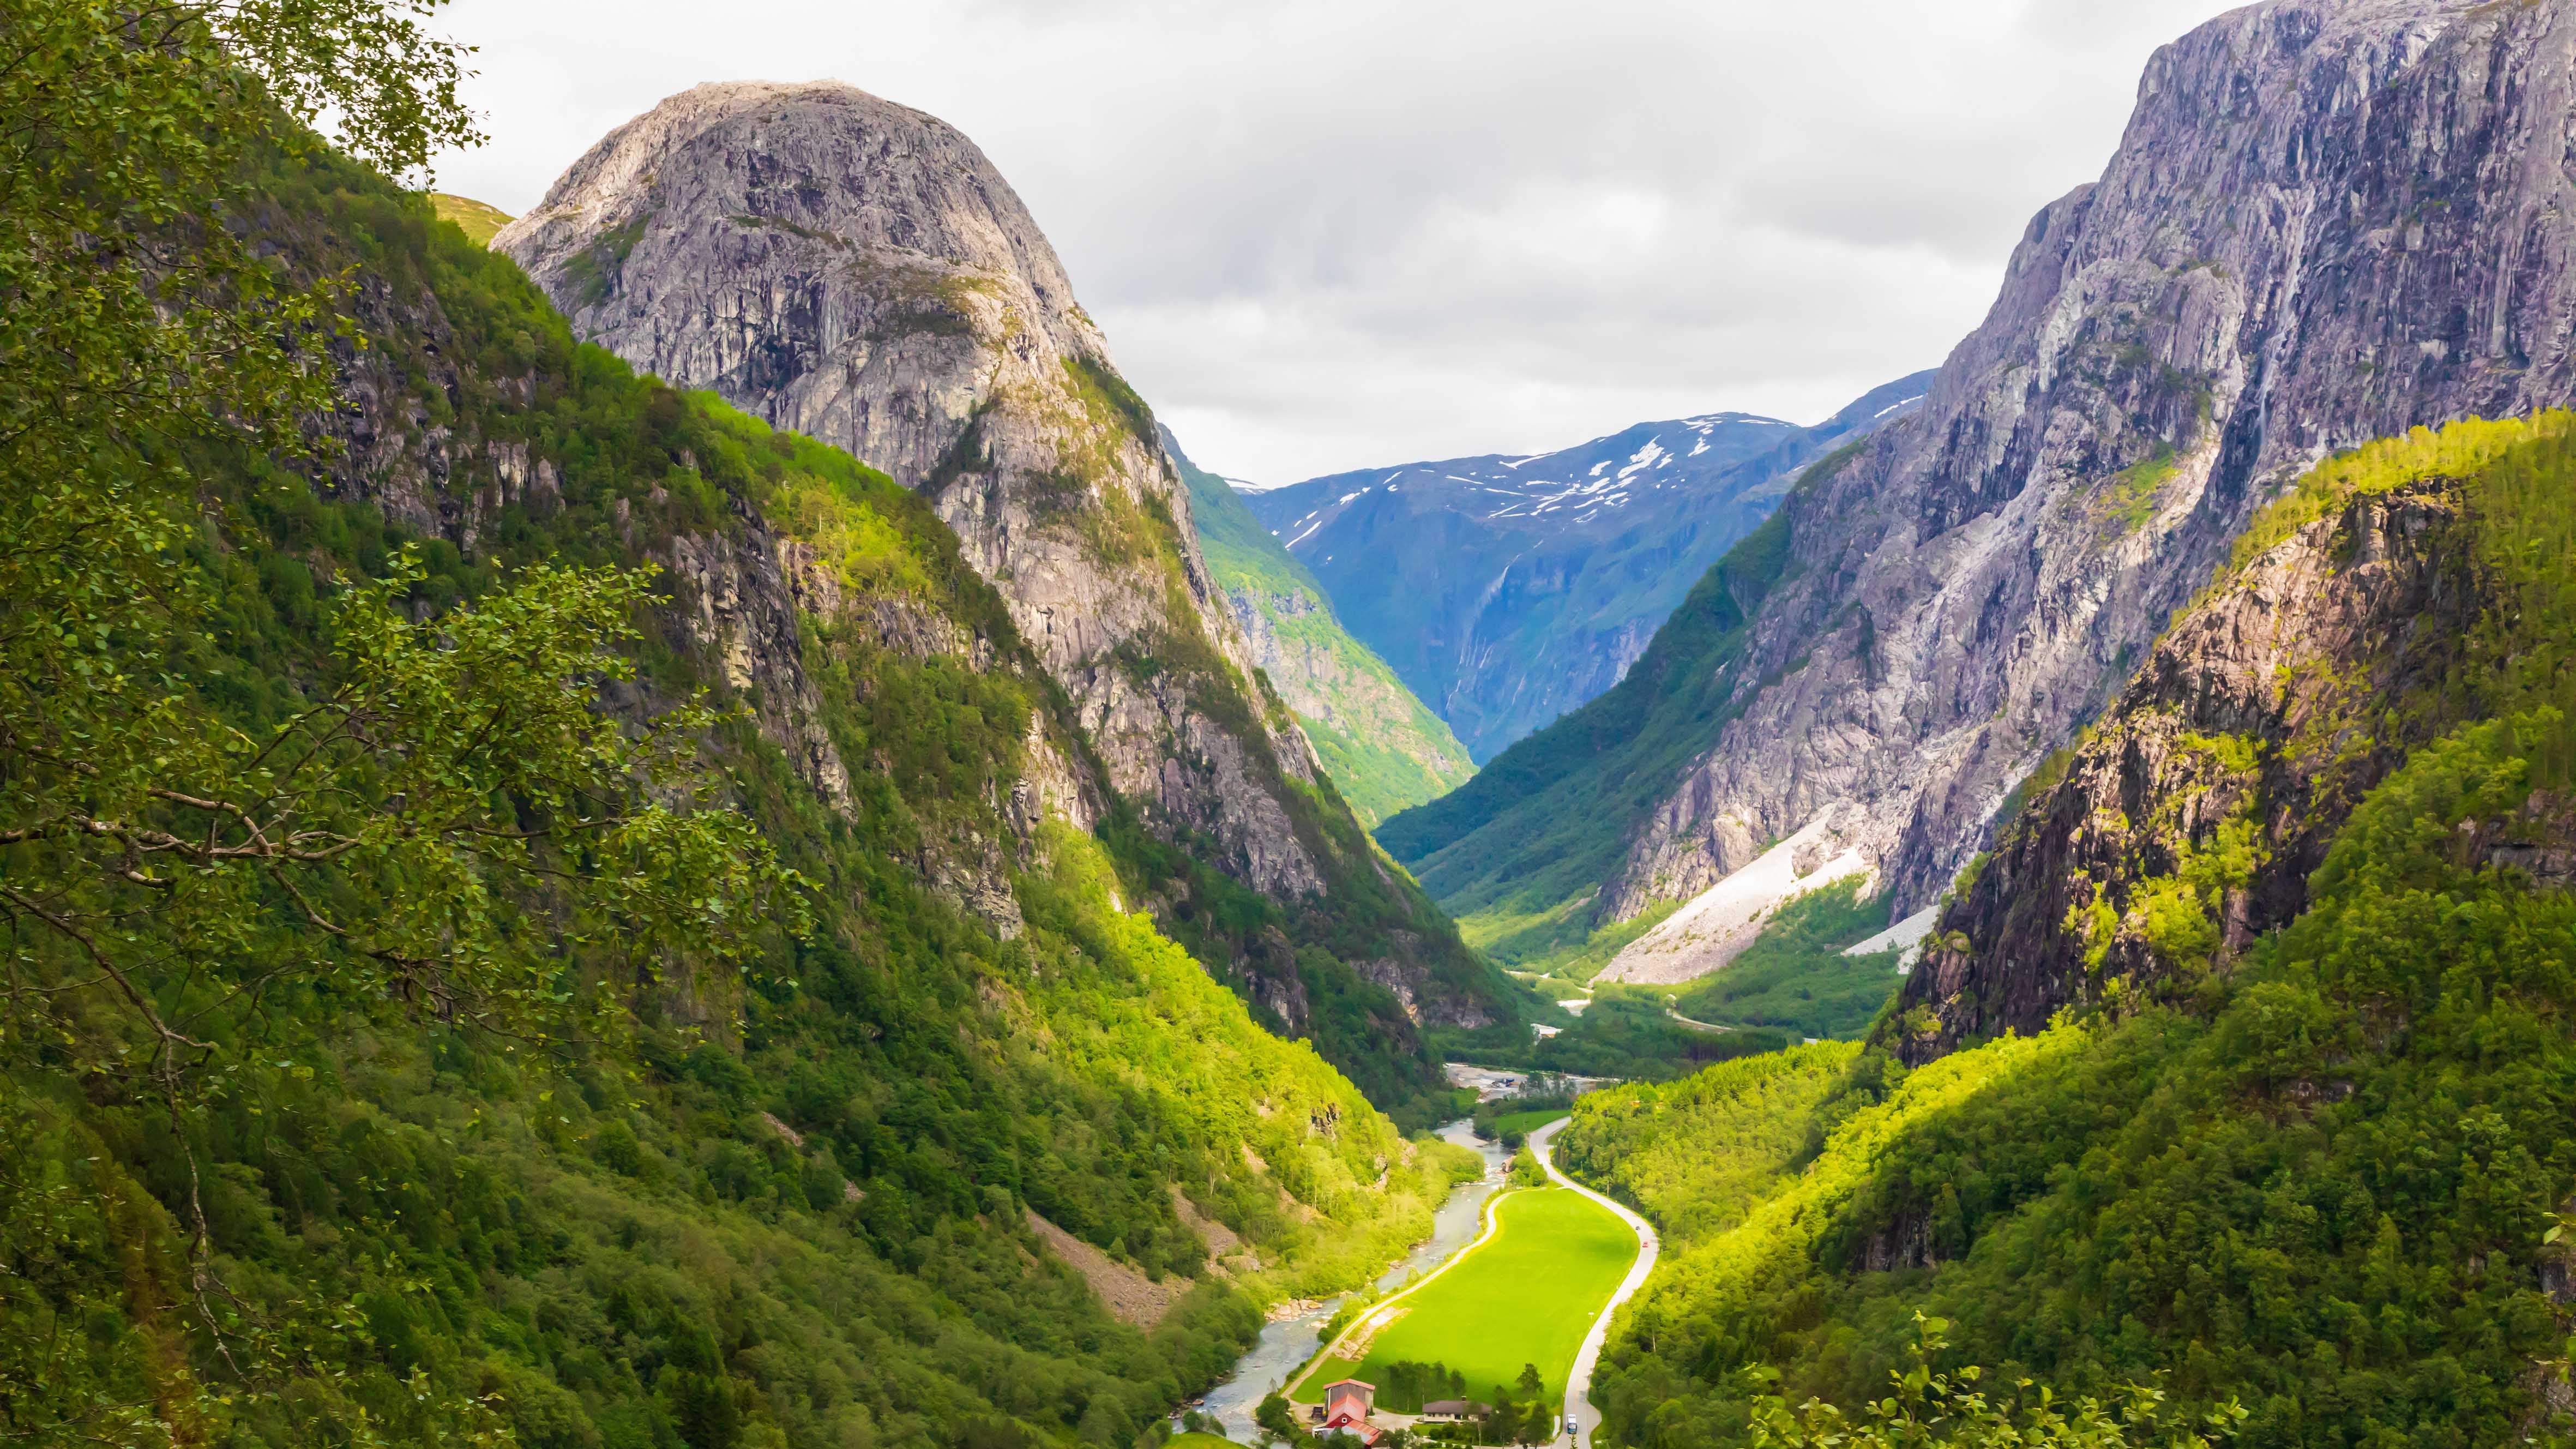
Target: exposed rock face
(2276, 704)
(1717, 925)
(1506, 591)
(2329, 220)
(858, 272)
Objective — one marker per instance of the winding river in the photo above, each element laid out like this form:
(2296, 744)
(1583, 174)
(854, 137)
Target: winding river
(1285, 1345)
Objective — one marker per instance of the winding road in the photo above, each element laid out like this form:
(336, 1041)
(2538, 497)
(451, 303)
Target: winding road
(1580, 1417)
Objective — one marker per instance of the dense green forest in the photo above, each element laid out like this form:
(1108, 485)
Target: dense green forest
(438, 1007)
(1627, 1032)
(2322, 1187)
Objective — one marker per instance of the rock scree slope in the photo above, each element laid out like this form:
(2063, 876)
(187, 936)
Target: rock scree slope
(2325, 223)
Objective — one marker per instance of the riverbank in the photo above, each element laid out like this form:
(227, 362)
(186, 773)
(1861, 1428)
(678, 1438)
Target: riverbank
(1287, 1343)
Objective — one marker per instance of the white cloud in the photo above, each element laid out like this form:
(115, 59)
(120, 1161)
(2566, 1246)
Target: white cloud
(1326, 234)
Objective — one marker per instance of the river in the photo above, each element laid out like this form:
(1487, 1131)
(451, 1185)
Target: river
(1284, 1346)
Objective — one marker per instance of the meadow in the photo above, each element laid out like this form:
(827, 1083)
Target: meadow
(1526, 1295)
(1528, 1122)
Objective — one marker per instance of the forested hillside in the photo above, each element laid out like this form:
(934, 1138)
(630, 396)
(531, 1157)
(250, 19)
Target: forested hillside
(2315, 1164)
(1384, 750)
(540, 907)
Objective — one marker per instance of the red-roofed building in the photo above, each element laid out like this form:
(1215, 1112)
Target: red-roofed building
(1346, 1409)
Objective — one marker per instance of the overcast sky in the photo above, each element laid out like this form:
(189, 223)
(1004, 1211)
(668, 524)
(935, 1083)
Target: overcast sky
(1328, 234)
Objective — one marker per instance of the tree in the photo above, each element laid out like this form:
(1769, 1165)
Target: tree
(1537, 1421)
(1924, 1409)
(1278, 1421)
(439, 827)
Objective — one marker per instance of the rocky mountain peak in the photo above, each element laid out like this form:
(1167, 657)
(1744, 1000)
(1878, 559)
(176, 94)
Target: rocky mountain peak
(2326, 222)
(828, 259)
(859, 272)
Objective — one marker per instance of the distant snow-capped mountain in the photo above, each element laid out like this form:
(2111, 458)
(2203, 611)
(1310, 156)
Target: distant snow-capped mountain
(1505, 590)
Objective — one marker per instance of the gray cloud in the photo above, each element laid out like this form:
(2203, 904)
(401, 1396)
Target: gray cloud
(1333, 233)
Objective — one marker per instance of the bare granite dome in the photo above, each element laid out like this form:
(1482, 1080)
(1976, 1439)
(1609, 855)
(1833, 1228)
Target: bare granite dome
(859, 272)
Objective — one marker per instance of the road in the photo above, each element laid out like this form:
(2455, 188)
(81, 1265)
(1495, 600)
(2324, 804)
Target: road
(1580, 1417)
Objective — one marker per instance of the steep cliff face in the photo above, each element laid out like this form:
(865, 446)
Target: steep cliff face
(1509, 590)
(2232, 759)
(859, 273)
(2192, 818)
(1383, 748)
(2327, 222)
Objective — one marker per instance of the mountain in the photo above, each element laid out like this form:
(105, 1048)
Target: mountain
(2399, 593)
(2253, 1030)
(1506, 591)
(471, 1139)
(2325, 223)
(1382, 748)
(858, 272)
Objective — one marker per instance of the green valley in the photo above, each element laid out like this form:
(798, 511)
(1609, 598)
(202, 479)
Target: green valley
(677, 823)
(1383, 748)
(1525, 1295)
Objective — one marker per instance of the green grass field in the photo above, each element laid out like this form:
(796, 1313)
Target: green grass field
(1200, 1441)
(1526, 1122)
(479, 220)
(1529, 1295)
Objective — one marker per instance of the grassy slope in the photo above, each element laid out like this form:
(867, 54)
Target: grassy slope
(1625, 1033)
(1384, 749)
(477, 220)
(625, 1253)
(1795, 976)
(1526, 1296)
(2319, 1182)
(1527, 1122)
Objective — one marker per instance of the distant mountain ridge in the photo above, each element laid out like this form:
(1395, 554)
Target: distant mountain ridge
(1506, 590)
(1382, 747)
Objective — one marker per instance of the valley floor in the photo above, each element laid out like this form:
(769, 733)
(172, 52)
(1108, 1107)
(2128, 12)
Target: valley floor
(1533, 1291)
